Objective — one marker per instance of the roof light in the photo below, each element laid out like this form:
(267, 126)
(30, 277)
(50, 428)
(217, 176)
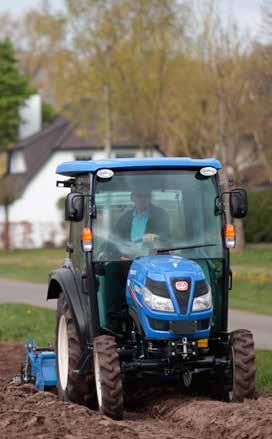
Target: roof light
(105, 174)
(208, 171)
(230, 236)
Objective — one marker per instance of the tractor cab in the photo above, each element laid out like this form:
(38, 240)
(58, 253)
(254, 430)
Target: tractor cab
(154, 228)
(145, 286)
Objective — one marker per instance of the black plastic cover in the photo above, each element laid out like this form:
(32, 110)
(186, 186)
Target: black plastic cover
(201, 288)
(156, 287)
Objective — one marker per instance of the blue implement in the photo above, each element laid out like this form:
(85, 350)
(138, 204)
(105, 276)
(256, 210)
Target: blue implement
(40, 366)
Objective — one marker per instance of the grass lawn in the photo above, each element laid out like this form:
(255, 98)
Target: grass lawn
(30, 265)
(264, 371)
(252, 280)
(251, 296)
(256, 260)
(22, 322)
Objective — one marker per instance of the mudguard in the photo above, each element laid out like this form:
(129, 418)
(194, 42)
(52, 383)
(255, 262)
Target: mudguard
(69, 281)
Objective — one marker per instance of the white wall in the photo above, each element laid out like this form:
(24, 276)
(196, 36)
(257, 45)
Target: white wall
(31, 114)
(38, 206)
(35, 218)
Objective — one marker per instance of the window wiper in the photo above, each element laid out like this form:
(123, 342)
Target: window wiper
(165, 250)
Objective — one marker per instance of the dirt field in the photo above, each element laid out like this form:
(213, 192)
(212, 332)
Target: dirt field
(26, 413)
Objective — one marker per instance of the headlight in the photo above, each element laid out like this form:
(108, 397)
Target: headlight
(203, 302)
(157, 303)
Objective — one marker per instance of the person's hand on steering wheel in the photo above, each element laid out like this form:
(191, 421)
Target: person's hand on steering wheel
(150, 238)
(148, 241)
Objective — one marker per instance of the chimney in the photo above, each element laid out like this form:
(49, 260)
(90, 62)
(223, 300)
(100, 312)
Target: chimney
(31, 115)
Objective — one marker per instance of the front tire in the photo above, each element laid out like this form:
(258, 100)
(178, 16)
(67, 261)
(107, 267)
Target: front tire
(108, 380)
(237, 382)
(244, 365)
(71, 386)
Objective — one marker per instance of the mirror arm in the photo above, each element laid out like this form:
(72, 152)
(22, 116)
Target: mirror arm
(219, 203)
(66, 183)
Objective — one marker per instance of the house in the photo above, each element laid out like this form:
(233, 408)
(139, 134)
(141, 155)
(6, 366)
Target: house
(35, 219)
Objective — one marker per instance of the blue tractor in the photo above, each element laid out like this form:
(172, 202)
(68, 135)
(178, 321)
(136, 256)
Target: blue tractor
(145, 288)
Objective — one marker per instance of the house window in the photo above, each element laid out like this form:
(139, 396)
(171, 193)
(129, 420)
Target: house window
(17, 163)
(125, 155)
(83, 156)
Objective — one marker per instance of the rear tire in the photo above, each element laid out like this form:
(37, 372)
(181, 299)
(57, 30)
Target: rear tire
(244, 366)
(108, 380)
(71, 386)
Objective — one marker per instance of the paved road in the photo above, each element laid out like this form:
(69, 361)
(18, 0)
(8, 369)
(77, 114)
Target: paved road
(25, 292)
(260, 325)
(13, 291)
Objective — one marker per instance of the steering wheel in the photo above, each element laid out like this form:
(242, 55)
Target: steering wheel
(127, 249)
(108, 250)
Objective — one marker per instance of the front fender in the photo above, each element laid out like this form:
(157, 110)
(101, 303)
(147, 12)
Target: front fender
(69, 282)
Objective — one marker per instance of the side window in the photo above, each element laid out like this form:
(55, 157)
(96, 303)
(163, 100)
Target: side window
(110, 207)
(78, 256)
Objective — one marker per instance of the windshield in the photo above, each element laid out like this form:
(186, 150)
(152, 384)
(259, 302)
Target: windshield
(150, 212)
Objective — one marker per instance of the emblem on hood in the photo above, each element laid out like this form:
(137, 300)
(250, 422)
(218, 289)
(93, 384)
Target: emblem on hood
(181, 285)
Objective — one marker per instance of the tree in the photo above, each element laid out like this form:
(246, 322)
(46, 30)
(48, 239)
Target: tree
(267, 19)
(9, 192)
(42, 49)
(14, 90)
(261, 90)
(122, 64)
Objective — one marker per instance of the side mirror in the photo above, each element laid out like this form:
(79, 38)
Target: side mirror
(74, 207)
(238, 203)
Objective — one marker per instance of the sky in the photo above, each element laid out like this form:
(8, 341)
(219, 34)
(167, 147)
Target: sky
(247, 12)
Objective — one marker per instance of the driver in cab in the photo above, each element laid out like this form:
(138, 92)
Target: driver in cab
(145, 222)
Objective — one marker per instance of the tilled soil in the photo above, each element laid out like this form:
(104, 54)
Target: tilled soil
(152, 413)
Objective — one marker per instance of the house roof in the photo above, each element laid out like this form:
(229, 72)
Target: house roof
(62, 134)
(80, 167)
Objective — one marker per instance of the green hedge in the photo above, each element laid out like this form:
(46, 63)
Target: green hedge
(258, 223)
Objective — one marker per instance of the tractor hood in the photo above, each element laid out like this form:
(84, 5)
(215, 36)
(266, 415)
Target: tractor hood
(162, 267)
(160, 294)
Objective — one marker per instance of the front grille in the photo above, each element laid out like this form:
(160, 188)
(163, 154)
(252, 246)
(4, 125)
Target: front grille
(179, 326)
(182, 297)
(156, 287)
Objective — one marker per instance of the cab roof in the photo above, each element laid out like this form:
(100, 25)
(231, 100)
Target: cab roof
(83, 167)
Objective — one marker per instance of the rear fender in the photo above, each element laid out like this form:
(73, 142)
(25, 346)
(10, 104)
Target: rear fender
(69, 281)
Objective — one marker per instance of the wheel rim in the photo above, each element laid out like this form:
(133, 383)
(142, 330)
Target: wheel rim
(98, 380)
(63, 353)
